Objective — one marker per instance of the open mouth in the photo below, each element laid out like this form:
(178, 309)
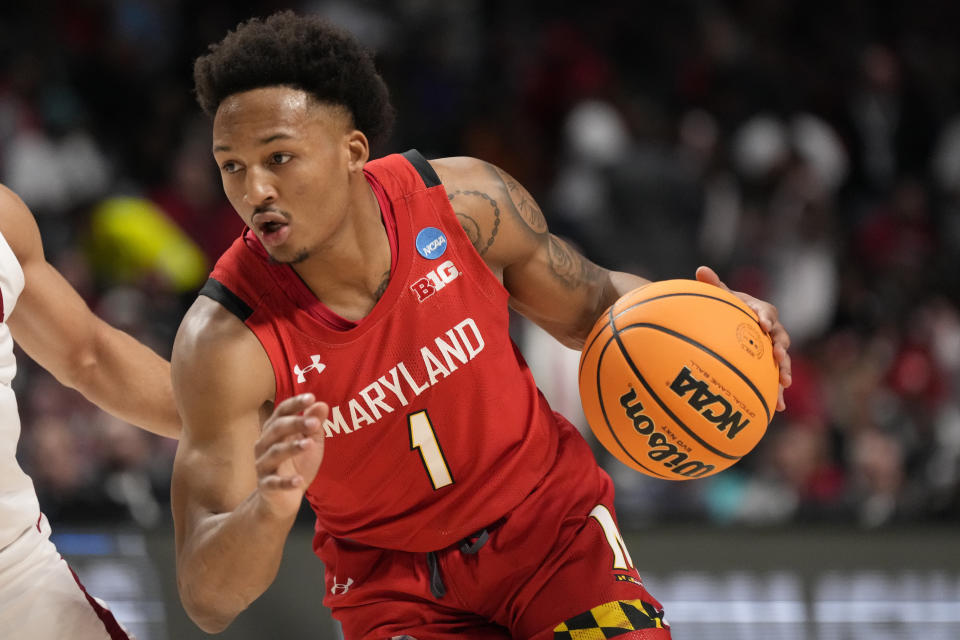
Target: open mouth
(267, 228)
(272, 227)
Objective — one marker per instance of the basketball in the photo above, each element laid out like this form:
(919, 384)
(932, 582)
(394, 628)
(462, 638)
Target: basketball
(678, 380)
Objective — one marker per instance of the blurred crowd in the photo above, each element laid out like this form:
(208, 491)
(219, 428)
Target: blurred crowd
(807, 151)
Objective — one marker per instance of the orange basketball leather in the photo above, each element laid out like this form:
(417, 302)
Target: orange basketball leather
(678, 380)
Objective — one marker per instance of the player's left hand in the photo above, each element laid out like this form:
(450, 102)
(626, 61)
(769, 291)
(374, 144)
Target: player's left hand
(769, 319)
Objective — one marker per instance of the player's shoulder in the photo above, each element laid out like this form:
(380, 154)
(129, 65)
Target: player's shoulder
(209, 331)
(477, 183)
(215, 351)
(463, 172)
(207, 324)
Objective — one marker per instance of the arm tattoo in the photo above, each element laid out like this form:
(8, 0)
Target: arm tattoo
(523, 203)
(470, 225)
(570, 268)
(471, 228)
(383, 287)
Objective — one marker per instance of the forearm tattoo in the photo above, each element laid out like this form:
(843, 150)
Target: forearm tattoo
(570, 268)
(470, 225)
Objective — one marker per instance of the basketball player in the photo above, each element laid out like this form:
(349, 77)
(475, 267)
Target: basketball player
(40, 597)
(361, 322)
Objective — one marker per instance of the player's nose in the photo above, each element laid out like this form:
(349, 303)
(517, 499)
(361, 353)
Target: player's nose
(259, 189)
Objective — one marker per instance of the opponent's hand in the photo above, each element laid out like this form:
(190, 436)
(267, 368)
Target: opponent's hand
(289, 452)
(769, 322)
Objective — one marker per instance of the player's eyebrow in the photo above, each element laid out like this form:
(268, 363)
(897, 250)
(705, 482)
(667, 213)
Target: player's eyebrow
(261, 142)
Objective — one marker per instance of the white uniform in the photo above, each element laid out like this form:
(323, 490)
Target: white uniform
(40, 598)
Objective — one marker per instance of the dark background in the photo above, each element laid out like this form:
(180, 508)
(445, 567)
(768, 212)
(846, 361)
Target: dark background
(808, 151)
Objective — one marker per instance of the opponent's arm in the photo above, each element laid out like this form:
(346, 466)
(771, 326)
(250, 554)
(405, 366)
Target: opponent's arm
(549, 282)
(56, 328)
(236, 488)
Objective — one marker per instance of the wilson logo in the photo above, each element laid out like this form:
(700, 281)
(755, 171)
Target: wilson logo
(435, 280)
(711, 406)
(661, 449)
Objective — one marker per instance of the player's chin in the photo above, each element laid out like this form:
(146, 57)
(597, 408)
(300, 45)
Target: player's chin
(288, 255)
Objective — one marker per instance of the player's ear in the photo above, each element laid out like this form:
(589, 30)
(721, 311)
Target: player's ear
(358, 150)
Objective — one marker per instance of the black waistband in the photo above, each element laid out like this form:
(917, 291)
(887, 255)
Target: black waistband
(475, 541)
(470, 545)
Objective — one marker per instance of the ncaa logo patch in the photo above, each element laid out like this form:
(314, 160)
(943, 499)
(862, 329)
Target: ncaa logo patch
(431, 243)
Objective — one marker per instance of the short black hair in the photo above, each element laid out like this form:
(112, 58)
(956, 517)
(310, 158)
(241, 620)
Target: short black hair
(303, 52)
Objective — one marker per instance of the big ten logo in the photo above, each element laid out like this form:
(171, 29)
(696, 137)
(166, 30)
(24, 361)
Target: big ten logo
(435, 280)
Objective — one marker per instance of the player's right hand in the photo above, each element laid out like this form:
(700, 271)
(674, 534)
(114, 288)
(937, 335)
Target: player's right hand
(289, 452)
(769, 320)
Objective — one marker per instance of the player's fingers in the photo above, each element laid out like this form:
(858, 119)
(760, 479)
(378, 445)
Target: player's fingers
(280, 429)
(280, 483)
(783, 360)
(781, 405)
(709, 276)
(780, 336)
(270, 460)
(318, 410)
(768, 316)
(294, 404)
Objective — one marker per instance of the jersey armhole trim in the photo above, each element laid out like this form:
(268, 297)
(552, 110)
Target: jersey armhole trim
(232, 302)
(427, 174)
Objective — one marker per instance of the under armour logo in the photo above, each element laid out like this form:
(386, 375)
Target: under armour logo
(340, 588)
(302, 373)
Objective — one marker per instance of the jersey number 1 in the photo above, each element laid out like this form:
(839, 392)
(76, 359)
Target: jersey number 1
(422, 437)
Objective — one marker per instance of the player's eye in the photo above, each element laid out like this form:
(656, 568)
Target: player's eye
(230, 167)
(280, 158)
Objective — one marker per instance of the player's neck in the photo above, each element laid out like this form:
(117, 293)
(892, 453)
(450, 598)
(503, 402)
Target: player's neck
(348, 272)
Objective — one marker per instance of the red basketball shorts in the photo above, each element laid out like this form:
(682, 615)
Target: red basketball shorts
(553, 568)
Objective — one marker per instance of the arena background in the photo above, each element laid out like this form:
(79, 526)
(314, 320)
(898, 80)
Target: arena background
(808, 151)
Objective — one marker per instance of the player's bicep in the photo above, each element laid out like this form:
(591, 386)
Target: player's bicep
(501, 219)
(549, 281)
(221, 379)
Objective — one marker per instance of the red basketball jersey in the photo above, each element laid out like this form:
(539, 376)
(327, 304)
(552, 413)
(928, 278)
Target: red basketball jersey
(437, 428)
